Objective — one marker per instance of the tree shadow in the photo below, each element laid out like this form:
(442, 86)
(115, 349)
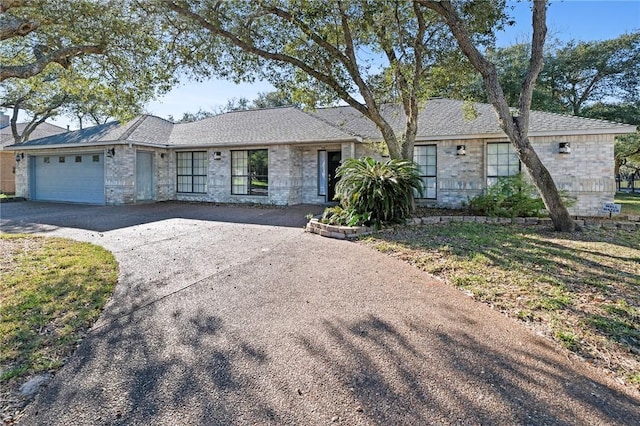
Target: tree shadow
(439, 375)
(181, 370)
(30, 217)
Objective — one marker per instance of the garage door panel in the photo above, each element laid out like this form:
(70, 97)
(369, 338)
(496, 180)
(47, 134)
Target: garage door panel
(75, 178)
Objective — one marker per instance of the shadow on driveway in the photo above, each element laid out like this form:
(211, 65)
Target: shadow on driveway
(30, 216)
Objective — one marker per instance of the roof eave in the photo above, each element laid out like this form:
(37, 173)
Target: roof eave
(81, 145)
(269, 143)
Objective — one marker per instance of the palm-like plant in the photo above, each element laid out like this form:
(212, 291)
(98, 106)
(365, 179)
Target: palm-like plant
(382, 190)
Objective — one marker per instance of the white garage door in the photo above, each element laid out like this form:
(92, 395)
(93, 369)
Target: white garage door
(77, 178)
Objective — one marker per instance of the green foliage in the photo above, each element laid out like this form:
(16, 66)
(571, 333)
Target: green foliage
(510, 196)
(336, 215)
(324, 51)
(377, 191)
(128, 69)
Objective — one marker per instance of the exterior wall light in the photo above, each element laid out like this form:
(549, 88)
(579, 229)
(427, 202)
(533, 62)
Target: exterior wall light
(461, 150)
(111, 152)
(19, 156)
(564, 148)
(162, 155)
(217, 155)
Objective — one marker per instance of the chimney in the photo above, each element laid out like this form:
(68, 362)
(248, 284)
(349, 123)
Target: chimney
(4, 120)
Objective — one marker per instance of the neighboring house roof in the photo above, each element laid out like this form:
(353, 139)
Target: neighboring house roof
(257, 127)
(444, 119)
(439, 119)
(41, 131)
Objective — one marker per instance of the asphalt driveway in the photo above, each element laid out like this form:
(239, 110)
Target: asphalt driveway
(228, 315)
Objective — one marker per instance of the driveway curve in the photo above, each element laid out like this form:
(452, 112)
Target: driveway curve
(228, 315)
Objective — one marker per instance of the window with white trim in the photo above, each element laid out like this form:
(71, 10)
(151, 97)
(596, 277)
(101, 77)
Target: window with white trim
(192, 172)
(502, 160)
(250, 172)
(426, 158)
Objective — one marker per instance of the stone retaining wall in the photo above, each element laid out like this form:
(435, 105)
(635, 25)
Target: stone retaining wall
(353, 232)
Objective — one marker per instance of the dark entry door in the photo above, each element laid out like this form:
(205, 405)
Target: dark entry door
(335, 157)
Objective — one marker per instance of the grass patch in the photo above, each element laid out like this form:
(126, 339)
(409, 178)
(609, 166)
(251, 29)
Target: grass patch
(630, 203)
(581, 289)
(51, 291)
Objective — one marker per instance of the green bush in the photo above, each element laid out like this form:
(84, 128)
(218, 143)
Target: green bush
(510, 196)
(374, 192)
(336, 215)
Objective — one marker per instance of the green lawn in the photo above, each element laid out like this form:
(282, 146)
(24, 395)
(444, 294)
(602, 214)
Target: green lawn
(51, 291)
(630, 203)
(581, 289)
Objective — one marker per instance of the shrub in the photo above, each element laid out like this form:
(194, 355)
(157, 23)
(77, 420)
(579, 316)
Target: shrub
(510, 196)
(373, 192)
(336, 215)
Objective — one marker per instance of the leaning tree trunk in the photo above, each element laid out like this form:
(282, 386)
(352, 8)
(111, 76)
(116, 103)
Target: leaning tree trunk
(542, 179)
(516, 127)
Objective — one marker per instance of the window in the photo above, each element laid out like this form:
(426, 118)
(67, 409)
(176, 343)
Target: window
(425, 157)
(95, 158)
(78, 158)
(250, 172)
(501, 161)
(322, 172)
(192, 172)
(60, 159)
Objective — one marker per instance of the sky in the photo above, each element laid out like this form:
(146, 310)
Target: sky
(584, 20)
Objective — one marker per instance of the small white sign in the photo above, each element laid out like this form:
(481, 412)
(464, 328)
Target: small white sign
(611, 208)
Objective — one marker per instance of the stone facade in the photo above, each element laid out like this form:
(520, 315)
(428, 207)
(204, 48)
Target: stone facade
(586, 173)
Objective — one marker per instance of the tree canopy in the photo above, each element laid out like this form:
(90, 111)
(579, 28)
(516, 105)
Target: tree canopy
(323, 51)
(89, 59)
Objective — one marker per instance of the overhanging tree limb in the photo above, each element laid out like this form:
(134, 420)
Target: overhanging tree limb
(61, 56)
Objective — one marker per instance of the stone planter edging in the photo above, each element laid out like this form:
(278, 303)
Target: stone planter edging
(353, 232)
(336, 231)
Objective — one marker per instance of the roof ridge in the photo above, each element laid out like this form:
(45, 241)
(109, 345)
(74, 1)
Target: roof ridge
(133, 127)
(566, 115)
(327, 122)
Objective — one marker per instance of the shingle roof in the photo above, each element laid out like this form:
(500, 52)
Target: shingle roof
(142, 129)
(41, 131)
(444, 118)
(87, 136)
(439, 119)
(263, 126)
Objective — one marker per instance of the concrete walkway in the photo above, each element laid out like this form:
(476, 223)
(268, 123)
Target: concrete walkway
(228, 315)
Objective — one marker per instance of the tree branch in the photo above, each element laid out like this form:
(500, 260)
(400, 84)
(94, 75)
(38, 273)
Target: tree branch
(12, 26)
(535, 63)
(61, 56)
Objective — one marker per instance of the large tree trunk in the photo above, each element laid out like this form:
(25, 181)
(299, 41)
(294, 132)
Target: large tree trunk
(542, 179)
(516, 127)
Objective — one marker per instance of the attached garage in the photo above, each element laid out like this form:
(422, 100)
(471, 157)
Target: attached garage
(76, 178)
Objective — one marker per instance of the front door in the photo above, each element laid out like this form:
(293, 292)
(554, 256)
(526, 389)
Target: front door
(335, 157)
(144, 176)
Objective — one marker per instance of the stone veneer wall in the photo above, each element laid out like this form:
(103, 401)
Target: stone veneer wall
(22, 176)
(120, 176)
(285, 178)
(586, 173)
(164, 178)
